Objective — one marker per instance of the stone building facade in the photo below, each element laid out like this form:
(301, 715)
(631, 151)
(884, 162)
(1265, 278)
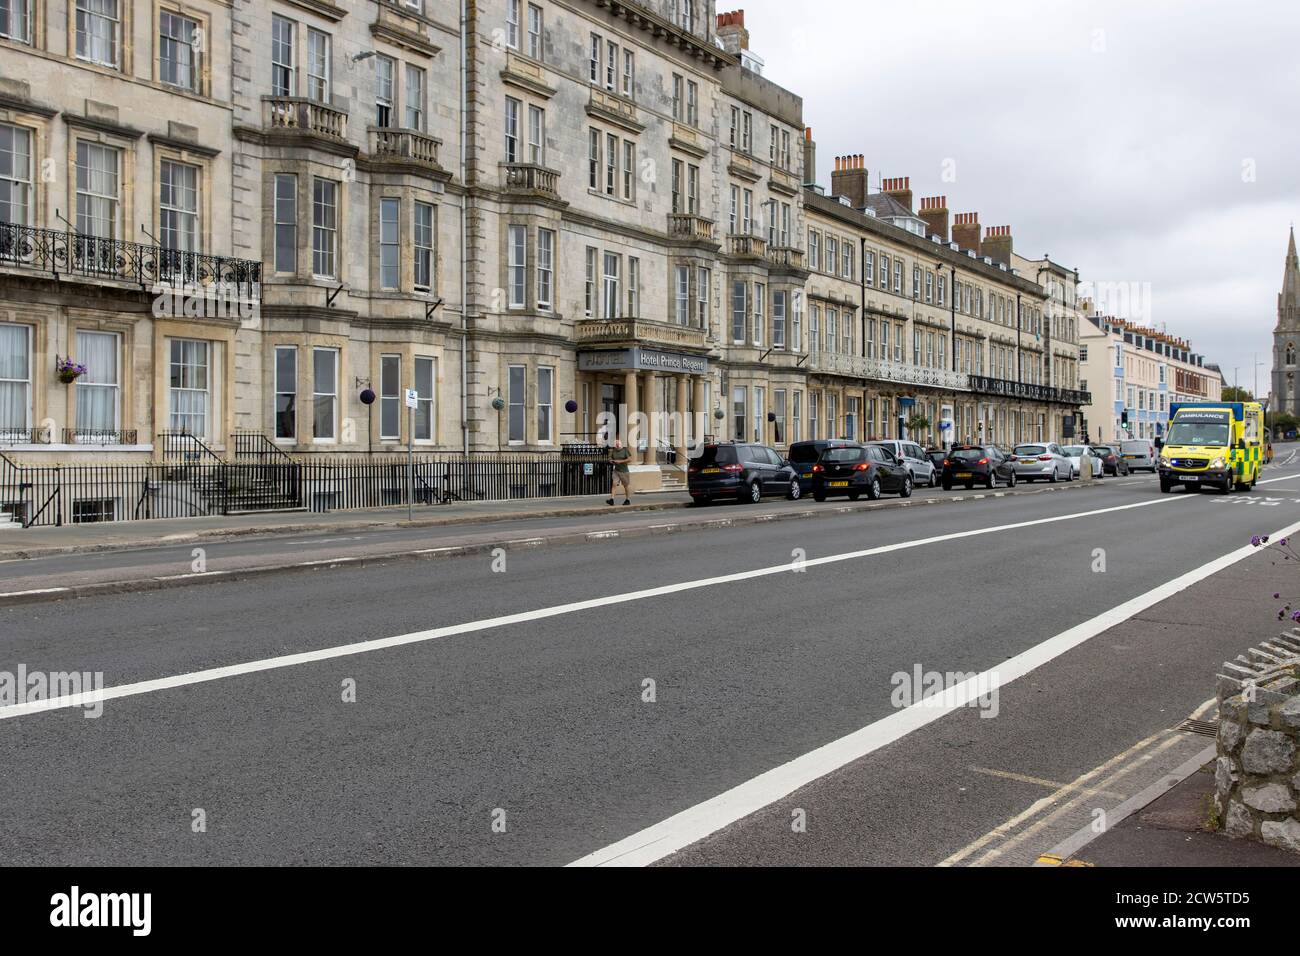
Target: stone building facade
(567, 219)
(1286, 336)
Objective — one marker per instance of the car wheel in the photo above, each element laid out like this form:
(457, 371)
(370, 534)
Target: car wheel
(970, 485)
(703, 502)
(1054, 476)
(934, 479)
(947, 486)
(907, 488)
(755, 492)
(873, 489)
(819, 496)
(1011, 482)
(1165, 486)
(795, 491)
(992, 481)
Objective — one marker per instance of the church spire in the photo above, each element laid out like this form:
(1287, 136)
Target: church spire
(1288, 300)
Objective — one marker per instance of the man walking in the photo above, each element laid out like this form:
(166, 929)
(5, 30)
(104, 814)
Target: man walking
(620, 457)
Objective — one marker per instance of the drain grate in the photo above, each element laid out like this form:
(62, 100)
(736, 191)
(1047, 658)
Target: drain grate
(1206, 728)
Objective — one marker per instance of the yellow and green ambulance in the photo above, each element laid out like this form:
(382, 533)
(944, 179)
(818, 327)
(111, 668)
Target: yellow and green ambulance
(1214, 444)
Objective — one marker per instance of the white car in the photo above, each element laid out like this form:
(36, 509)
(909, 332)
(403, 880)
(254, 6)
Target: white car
(1041, 460)
(913, 457)
(1075, 454)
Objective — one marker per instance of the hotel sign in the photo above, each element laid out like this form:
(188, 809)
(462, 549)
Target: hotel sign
(639, 359)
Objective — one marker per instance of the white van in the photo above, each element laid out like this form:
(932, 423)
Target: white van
(1139, 453)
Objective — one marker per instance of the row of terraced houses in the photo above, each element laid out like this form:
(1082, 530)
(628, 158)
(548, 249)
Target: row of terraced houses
(233, 221)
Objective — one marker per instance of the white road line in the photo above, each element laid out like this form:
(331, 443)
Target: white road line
(694, 824)
(469, 627)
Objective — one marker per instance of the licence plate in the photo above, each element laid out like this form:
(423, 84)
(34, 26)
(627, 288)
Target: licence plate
(1130, 456)
(1189, 477)
(963, 474)
(1026, 461)
(839, 484)
(807, 474)
(712, 471)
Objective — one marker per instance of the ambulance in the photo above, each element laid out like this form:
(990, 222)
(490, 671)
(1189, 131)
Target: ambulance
(1218, 445)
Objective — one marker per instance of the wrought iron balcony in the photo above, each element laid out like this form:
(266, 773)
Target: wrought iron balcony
(682, 225)
(99, 436)
(300, 114)
(855, 366)
(74, 254)
(389, 143)
(1035, 393)
(531, 178)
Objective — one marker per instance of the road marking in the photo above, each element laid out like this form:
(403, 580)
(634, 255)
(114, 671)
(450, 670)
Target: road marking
(695, 823)
(522, 617)
(1053, 784)
(602, 534)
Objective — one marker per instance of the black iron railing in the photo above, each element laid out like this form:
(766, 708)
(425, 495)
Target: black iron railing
(256, 447)
(99, 436)
(75, 254)
(196, 486)
(185, 447)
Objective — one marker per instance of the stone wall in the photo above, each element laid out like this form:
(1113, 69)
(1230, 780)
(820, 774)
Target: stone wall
(1257, 775)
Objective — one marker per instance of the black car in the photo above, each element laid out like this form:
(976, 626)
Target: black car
(986, 464)
(855, 470)
(936, 456)
(741, 472)
(1111, 462)
(805, 454)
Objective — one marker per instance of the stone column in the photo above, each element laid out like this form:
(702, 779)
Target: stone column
(683, 416)
(703, 417)
(652, 412)
(629, 411)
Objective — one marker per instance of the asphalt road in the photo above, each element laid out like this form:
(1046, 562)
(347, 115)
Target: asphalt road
(536, 739)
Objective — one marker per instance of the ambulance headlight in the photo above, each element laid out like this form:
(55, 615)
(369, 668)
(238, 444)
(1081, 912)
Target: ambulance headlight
(1218, 463)
(1164, 462)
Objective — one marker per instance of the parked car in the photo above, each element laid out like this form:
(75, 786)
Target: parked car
(862, 469)
(1076, 455)
(741, 472)
(968, 464)
(1042, 460)
(936, 456)
(913, 456)
(804, 454)
(1139, 453)
(1111, 462)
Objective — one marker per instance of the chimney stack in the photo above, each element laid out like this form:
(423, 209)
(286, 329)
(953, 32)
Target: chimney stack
(997, 243)
(934, 210)
(732, 33)
(966, 231)
(809, 157)
(850, 179)
(899, 189)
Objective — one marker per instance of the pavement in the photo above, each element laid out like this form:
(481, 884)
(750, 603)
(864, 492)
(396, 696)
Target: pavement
(740, 696)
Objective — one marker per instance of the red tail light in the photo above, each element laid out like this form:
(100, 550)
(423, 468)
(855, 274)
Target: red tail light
(862, 467)
(1044, 457)
(693, 469)
(818, 468)
(733, 468)
(945, 463)
(983, 461)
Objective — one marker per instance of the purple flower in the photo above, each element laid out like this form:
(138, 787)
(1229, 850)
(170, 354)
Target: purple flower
(1295, 616)
(1276, 595)
(1256, 541)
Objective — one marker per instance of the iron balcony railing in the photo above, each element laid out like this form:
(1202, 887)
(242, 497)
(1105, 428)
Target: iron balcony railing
(76, 254)
(99, 436)
(1039, 393)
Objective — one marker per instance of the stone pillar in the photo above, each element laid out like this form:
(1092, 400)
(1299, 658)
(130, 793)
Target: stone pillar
(652, 414)
(703, 417)
(683, 384)
(629, 411)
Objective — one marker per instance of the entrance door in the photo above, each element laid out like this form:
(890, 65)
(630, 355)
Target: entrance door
(611, 399)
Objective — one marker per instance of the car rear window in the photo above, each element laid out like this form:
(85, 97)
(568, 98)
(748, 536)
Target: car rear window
(1030, 450)
(842, 454)
(1103, 449)
(1073, 451)
(967, 454)
(1135, 447)
(718, 455)
(804, 453)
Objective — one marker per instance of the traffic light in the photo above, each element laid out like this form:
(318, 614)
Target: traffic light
(1123, 420)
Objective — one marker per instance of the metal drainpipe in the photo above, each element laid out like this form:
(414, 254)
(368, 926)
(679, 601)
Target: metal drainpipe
(464, 234)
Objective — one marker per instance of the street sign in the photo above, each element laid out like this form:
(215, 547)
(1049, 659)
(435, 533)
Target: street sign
(412, 398)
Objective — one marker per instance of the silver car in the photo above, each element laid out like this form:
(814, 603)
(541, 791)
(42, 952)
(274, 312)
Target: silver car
(913, 457)
(1075, 454)
(1041, 460)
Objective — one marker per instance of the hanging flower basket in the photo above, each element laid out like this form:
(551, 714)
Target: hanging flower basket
(69, 371)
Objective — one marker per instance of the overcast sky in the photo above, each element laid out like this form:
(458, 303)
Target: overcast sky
(1146, 141)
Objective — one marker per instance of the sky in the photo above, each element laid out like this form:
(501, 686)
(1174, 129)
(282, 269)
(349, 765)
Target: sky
(1147, 142)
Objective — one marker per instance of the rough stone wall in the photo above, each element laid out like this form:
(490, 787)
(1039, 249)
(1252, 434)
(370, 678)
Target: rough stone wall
(1257, 775)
